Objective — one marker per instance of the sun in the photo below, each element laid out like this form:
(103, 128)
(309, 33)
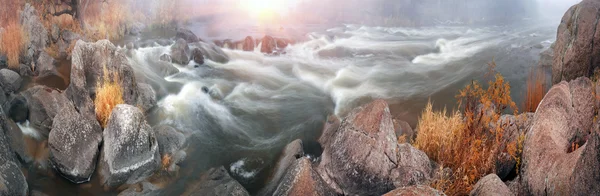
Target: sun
(263, 8)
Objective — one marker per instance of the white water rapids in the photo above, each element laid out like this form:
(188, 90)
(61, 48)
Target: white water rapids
(260, 103)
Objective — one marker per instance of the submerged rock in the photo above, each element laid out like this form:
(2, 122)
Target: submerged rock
(576, 54)
(74, 144)
(130, 151)
(44, 103)
(490, 185)
(551, 163)
(217, 182)
(179, 52)
(362, 156)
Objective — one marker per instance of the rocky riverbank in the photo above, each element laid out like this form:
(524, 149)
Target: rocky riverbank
(367, 152)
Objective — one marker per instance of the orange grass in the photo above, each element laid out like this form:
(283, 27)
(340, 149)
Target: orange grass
(536, 89)
(12, 42)
(108, 95)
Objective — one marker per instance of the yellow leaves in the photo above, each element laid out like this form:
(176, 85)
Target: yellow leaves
(108, 95)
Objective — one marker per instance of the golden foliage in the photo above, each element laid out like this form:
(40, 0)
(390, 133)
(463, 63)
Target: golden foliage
(166, 161)
(536, 89)
(108, 95)
(12, 43)
(467, 141)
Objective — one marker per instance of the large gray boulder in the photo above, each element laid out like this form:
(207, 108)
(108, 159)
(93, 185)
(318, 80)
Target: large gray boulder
(35, 30)
(490, 185)
(362, 156)
(130, 151)
(187, 35)
(147, 97)
(12, 180)
(171, 144)
(513, 128)
(575, 53)
(217, 182)
(10, 81)
(87, 69)
(563, 119)
(74, 144)
(179, 52)
(44, 103)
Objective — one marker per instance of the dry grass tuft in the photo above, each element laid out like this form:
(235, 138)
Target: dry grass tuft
(12, 43)
(166, 161)
(536, 89)
(108, 95)
(466, 141)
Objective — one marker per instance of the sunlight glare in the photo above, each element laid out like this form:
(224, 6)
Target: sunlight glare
(263, 8)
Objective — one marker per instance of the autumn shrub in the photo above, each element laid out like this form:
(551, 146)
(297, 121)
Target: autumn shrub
(536, 89)
(12, 43)
(108, 95)
(467, 141)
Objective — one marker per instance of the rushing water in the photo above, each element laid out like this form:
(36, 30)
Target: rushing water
(257, 104)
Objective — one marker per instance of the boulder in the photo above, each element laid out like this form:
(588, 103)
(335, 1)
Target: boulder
(551, 165)
(44, 103)
(130, 151)
(302, 179)
(179, 52)
(197, 56)
(171, 144)
(269, 45)
(87, 69)
(165, 58)
(187, 35)
(212, 52)
(248, 44)
(403, 129)
(25, 71)
(147, 97)
(163, 68)
(576, 54)
(490, 185)
(47, 72)
(12, 180)
(291, 153)
(10, 81)
(417, 190)
(513, 127)
(74, 144)
(217, 182)
(35, 30)
(55, 33)
(362, 156)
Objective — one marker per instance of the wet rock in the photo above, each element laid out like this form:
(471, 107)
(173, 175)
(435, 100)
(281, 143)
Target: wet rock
(179, 52)
(576, 54)
(513, 128)
(551, 164)
(25, 71)
(47, 71)
(87, 69)
(171, 143)
(362, 155)
(302, 179)
(490, 185)
(12, 180)
(403, 129)
(44, 103)
(163, 68)
(197, 56)
(217, 182)
(546, 57)
(16, 108)
(144, 188)
(147, 97)
(248, 44)
(166, 58)
(130, 151)
(212, 52)
(269, 44)
(291, 153)
(415, 191)
(15, 139)
(33, 27)
(187, 35)
(74, 144)
(10, 81)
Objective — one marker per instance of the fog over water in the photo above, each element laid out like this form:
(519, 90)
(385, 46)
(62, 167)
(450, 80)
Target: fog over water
(344, 57)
